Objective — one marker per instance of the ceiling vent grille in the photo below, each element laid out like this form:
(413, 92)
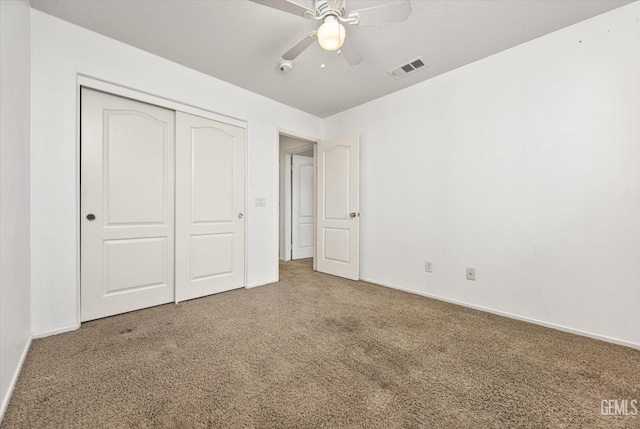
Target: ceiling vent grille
(410, 67)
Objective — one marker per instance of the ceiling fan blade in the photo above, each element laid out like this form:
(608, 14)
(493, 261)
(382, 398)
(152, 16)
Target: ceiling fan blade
(300, 46)
(390, 12)
(350, 52)
(287, 6)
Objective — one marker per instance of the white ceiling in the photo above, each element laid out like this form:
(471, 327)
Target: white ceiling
(241, 42)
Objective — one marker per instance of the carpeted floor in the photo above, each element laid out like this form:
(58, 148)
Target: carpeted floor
(315, 351)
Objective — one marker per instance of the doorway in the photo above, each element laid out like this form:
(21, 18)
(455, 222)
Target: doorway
(297, 197)
(335, 200)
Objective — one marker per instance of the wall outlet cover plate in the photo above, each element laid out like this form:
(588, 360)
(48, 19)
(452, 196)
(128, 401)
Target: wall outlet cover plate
(428, 266)
(471, 273)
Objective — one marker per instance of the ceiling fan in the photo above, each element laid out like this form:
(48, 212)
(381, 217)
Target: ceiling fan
(331, 34)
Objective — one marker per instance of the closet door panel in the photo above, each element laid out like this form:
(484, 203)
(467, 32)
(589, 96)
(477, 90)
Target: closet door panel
(127, 205)
(209, 206)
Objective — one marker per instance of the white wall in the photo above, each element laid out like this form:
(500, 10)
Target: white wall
(524, 165)
(15, 329)
(59, 52)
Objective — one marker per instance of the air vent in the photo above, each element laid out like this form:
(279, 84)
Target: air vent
(410, 67)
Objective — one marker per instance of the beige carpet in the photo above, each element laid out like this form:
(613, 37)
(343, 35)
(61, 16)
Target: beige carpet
(315, 351)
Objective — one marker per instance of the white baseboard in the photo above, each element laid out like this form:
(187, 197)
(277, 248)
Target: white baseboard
(7, 395)
(514, 316)
(55, 331)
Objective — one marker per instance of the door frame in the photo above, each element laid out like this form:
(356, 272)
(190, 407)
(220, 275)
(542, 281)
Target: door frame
(92, 82)
(313, 142)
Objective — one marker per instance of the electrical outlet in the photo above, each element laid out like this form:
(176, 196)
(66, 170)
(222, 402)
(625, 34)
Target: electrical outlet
(471, 273)
(428, 266)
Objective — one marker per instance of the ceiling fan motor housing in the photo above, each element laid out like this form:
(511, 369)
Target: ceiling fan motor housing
(324, 9)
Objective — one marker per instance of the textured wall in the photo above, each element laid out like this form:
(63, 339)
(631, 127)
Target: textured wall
(524, 165)
(15, 322)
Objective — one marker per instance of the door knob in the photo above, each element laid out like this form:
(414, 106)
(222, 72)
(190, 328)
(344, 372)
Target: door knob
(91, 217)
(240, 215)
(354, 214)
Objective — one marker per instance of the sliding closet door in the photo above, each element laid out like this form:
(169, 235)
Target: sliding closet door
(209, 206)
(127, 205)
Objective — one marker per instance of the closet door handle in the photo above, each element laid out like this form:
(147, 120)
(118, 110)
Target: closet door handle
(240, 215)
(91, 217)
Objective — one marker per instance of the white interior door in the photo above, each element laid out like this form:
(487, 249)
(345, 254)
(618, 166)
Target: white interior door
(127, 200)
(338, 205)
(209, 206)
(302, 231)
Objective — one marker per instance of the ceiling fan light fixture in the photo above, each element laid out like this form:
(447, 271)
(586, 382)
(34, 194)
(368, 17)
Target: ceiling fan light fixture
(331, 34)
